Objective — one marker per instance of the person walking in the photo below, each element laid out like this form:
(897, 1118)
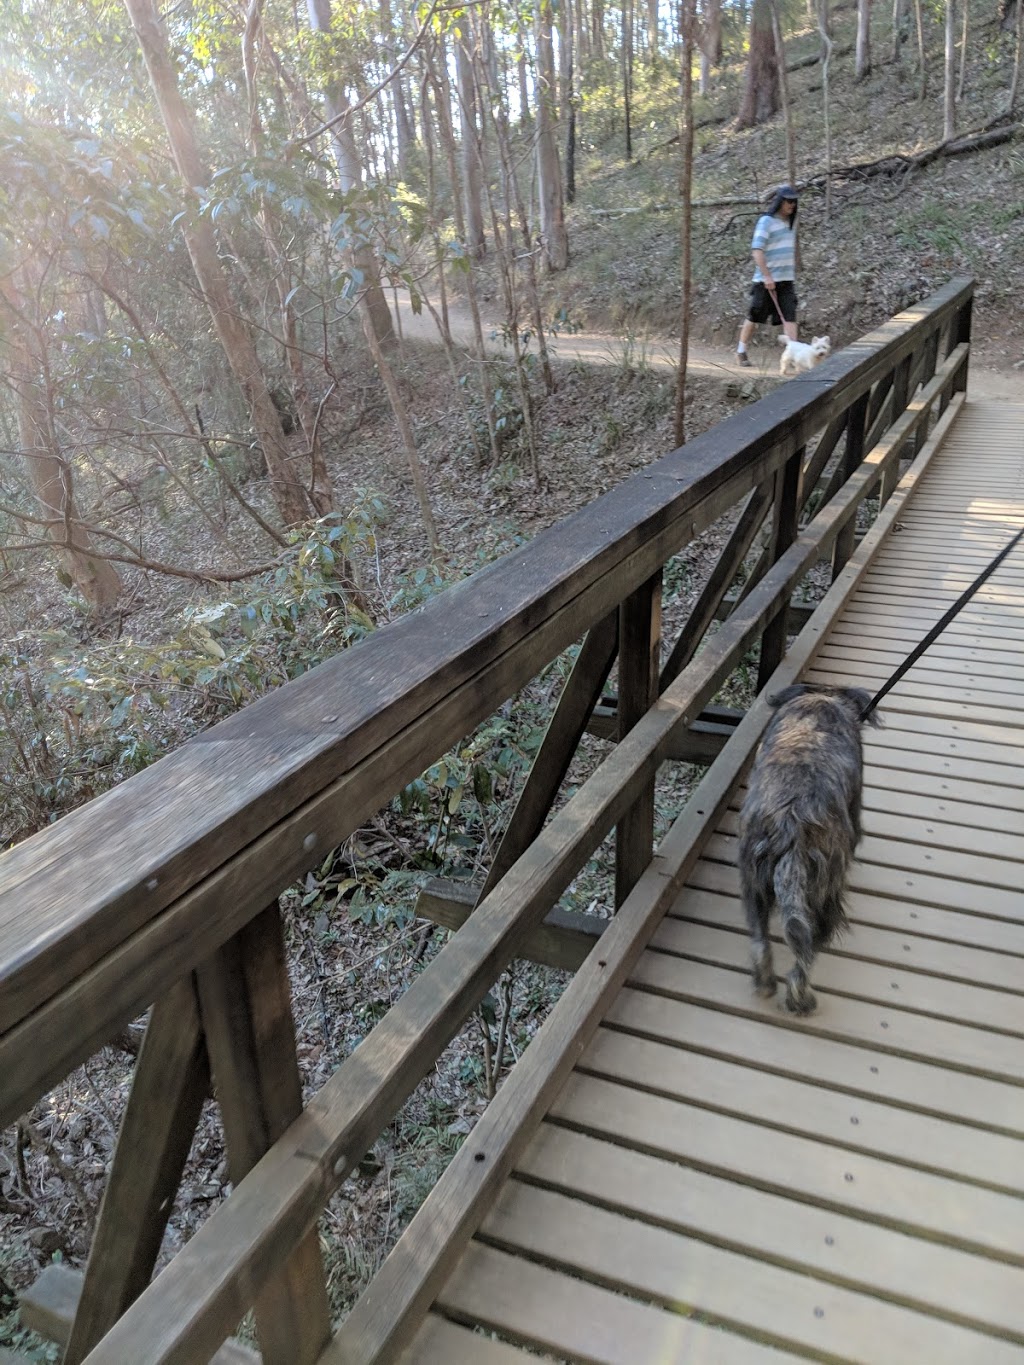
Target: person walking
(773, 291)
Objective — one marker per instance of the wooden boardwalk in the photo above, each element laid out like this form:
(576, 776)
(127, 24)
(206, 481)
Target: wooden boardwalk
(718, 1182)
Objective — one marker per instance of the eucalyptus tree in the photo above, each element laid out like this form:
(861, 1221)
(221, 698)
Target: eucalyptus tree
(235, 337)
(761, 97)
(554, 235)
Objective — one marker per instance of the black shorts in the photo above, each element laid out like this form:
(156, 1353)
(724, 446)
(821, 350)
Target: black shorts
(762, 308)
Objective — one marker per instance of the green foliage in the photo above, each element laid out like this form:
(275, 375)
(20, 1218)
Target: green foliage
(82, 718)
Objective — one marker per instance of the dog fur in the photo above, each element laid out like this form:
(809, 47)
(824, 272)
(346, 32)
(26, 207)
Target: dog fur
(800, 825)
(802, 355)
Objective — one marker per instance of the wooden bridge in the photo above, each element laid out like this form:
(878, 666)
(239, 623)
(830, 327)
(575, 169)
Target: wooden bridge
(675, 1170)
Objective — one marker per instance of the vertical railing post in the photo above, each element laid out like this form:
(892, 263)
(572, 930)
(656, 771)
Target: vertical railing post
(900, 398)
(785, 517)
(639, 667)
(854, 454)
(963, 335)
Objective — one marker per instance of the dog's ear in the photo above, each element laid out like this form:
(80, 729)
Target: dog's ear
(860, 699)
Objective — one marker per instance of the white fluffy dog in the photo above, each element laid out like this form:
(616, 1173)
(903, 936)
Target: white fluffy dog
(801, 355)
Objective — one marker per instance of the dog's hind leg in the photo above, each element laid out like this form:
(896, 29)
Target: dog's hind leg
(758, 907)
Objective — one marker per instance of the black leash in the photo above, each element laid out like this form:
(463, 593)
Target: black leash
(943, 622)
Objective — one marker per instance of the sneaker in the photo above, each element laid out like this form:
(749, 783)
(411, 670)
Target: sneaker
(743, 359)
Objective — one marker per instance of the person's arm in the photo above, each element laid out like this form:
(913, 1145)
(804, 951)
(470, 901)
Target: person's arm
(758, 245)
(760, 260)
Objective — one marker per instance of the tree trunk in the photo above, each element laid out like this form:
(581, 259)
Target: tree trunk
(320, 491)
(787, 115)
(238, 345)
(922, 66)
(761, 90)
(1015, 81)
(863, 57)
(627, 74)
(652, 29)
(963, 54)
(826, 43)
(949, 84)
(554, 238)
(49, 473)
(522, 75)
(597, 28)
(350, 176)
(710, 42)
(582, 32)
(471, 169)
(442, 102)
(897, 22)
(565, 56)
(688, 26)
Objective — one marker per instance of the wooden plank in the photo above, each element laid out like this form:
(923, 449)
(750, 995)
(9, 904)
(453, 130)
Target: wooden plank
(824, 1243)
(900, 395)
(922, 823)
(916, 1202)
(52, 1303)
(998, 1013)
(784, 528)
(48, 1305)
(529, 1302)
(639, 664)
(887, 650)
(440, 1342)
(898, 614)
(171, 1081)
(994, 876)
(924, 1038)
(852, 455)
(985, 1152)
(911, 917)
(713, 593)
(964, 777)
(818, 1107)
(866, 943)
(917, 695)
(581, 693)
(245, 1001)
(794, 1310)
(884, 792)
(563, 940)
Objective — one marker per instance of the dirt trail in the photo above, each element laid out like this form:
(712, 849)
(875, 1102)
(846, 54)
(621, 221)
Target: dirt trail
(662, 353)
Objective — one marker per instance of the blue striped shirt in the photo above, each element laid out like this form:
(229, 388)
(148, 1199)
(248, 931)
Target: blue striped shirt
(777, 240)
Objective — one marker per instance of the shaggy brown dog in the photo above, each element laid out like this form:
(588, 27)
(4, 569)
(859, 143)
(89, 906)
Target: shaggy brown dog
(799, 827)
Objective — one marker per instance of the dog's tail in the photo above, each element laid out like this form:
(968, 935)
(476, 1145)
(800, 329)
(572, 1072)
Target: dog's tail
(792, 895)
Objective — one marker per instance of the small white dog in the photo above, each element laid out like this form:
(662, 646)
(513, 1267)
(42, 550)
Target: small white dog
(801, 355)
